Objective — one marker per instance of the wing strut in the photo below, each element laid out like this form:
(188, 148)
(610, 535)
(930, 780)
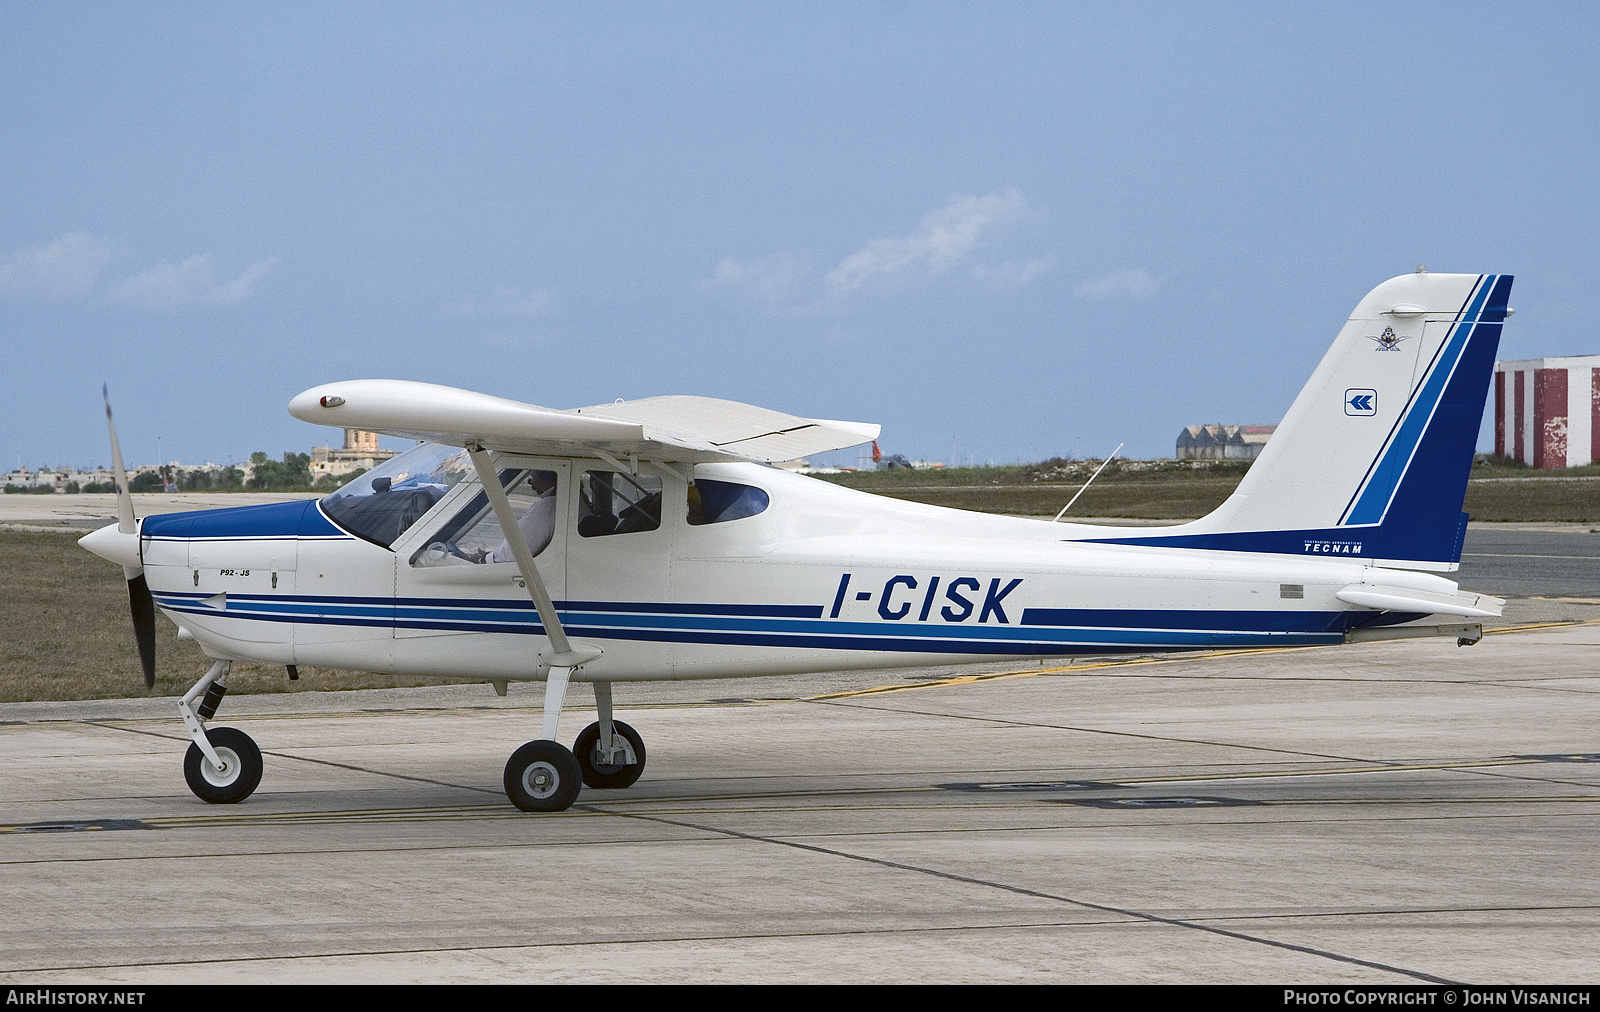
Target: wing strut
(566, 655)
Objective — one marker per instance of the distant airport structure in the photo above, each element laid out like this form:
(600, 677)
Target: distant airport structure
(1223, 442)
(58, 479)
(1547, 410)
(70, 479)
(360, 452)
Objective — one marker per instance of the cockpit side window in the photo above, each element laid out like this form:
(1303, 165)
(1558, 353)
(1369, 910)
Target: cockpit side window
(615, 502)
(717, 502)
(474, 535)
(383, 503)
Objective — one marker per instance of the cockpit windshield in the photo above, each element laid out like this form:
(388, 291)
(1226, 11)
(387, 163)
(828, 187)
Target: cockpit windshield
(382, 503)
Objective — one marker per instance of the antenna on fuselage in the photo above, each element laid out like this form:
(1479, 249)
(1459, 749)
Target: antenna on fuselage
(1086, 484)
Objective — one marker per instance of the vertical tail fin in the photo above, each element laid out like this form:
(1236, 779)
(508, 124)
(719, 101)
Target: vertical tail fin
(1373, 457)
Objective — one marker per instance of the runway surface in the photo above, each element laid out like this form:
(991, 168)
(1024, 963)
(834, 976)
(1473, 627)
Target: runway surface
(1397, 813)
(1511, 561)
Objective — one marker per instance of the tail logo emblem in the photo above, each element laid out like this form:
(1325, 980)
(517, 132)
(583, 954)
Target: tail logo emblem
(1360, 402)
(1388, 340)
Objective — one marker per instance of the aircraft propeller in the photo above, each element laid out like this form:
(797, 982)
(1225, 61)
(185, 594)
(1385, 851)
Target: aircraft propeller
(140, 603)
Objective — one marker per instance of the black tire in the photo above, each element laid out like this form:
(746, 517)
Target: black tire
(227, 787)
(598, 774)
(542, 776)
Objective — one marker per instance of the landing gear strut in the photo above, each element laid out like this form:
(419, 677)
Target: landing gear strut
(223, 765)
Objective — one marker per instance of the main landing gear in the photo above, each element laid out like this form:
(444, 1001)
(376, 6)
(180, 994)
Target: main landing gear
(543, 776)
(223, 765)
(609, 770)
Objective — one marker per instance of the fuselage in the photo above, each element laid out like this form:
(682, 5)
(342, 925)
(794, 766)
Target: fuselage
(821, 578)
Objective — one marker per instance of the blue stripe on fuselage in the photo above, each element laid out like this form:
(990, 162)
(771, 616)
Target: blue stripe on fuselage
(1042, 629)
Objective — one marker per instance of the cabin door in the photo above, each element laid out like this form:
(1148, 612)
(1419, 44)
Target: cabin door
(460, 604)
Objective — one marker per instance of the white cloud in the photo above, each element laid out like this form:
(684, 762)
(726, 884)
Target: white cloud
(775, 280)
(947, 238)
(1013, 274)
(168, 285)
(508, 302)
(947, 235)
(55, 272)
(243, 286)
(1134, 284)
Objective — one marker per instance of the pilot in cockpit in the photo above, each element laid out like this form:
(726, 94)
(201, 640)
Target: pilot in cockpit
(537, 522)
(475, 537)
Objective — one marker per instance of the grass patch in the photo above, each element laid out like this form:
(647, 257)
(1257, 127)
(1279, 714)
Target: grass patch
(1136, 489)
(1532, 500)
(1055, 471)
(1498, 491)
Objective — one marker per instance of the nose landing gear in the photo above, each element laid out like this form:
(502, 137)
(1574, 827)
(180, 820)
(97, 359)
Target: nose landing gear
(232, 779)
(223, 765)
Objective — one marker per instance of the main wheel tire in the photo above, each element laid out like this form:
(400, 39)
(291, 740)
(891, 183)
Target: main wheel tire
(238, 778)
(542, 776)
(599, 774)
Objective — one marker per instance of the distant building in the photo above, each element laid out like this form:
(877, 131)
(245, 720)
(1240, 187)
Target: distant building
(1223, 442)
(57, 479)
(360, 453)
(62, 479)
(1547, 410)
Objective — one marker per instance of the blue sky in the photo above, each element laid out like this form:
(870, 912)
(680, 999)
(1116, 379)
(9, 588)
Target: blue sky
(1005, 231)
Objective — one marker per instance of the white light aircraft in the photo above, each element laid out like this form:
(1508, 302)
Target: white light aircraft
(647, 540)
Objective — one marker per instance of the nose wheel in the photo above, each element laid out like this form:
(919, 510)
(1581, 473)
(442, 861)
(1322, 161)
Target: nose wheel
(234, 778)
(542, 776)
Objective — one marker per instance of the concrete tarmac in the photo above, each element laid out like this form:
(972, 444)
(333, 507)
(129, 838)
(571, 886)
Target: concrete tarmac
(1388, 813)
(1531, 560)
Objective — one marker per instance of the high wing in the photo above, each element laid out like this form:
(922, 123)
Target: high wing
(677, 428)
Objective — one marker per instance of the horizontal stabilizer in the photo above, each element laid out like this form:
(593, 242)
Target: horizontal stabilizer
(689, 429)
(1406, 599)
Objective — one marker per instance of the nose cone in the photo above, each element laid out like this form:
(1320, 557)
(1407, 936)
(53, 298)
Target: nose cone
(115, 546)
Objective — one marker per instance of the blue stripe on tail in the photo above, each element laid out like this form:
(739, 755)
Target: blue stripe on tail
(1371, 503)
(1409, 508)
